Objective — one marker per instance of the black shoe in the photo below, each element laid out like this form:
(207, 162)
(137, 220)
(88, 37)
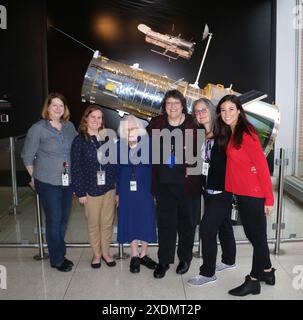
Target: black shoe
(68, 262)
(269, 277)
(134, 266)
(96, 265)
(249, 286)
(182, 267)
(148, 262)
(160, 270)
(110, 263)
(64, 267)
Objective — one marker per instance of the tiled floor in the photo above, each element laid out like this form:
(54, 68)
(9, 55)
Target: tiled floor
(30, 279)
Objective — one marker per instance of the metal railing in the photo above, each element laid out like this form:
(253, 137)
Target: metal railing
(120, 254)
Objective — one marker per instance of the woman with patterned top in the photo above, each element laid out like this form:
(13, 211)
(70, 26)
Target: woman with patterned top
(94, 184)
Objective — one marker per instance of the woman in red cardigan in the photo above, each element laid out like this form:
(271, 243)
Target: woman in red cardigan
(253, 189)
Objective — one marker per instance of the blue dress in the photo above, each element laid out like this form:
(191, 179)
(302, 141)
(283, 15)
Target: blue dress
(136, 211)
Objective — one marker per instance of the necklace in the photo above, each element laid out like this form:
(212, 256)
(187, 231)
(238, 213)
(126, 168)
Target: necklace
(180, 121)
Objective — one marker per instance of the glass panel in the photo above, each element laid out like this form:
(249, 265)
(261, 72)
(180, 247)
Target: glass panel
(20, 228)
(16, 226)
(77, 226)
(299, 137)
(271, 220)
(292, 203)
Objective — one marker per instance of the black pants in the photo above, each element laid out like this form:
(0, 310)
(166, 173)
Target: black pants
(253, 218)
(176, 214)
(216, 219)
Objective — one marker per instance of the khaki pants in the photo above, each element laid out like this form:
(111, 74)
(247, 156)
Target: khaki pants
(100, 213)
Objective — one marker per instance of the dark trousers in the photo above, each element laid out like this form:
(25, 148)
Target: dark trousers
(253, 218)
(56, 202)
(176, 214)
(216, 219)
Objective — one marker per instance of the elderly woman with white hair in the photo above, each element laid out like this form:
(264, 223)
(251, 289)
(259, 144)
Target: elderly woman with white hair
(136, 211)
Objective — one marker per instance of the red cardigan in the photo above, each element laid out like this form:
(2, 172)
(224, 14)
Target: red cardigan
(239, 178)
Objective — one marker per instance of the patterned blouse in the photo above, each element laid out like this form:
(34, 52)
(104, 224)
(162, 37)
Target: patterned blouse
(85, 166)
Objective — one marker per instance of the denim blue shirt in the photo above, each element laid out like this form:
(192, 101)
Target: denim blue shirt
(85, 166)
(46, 148)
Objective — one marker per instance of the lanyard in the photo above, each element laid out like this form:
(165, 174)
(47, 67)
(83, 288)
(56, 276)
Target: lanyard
(208, 150)
(133, 173)
(97, 151)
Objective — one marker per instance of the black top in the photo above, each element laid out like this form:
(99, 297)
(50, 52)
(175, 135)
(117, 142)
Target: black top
(192, 183)
(216, 172)
(168, 171)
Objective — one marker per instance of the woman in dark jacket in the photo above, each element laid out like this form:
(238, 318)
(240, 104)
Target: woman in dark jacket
(177, 191)
(217, 202)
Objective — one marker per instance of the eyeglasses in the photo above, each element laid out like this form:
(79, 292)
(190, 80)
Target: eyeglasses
(203, 111)
(170, 104)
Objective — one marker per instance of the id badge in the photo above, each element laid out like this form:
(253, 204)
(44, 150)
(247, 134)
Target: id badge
(65, 180)
(234, 213)
(101, 178)
(205, 168)
(133, 185)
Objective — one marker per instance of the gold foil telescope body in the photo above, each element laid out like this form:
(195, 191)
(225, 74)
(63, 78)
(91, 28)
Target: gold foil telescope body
(132, 90)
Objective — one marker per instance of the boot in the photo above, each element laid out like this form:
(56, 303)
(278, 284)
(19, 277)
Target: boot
(269, 277)
(249, 286)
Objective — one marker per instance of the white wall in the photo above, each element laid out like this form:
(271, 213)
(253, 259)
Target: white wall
(286, 87)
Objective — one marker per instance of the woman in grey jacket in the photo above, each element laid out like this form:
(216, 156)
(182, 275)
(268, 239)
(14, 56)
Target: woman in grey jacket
(46, 155)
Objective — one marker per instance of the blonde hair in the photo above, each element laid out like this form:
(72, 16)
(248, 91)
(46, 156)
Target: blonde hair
(124, 124)
(83, 122)
(48, 101)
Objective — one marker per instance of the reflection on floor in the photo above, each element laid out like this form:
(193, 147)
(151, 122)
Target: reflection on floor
(30, 279)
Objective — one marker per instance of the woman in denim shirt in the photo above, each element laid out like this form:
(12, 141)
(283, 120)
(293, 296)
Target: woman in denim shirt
(46, 155)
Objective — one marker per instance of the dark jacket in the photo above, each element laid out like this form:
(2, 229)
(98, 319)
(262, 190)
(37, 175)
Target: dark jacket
(216, 172)
(85, 166)
(192, 183)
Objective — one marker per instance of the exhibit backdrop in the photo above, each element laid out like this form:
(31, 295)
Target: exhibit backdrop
(241, 52)
(38, 55)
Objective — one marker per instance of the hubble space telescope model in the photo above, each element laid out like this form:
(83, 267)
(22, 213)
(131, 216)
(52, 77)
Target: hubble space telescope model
(174, 46)
(129, 89)
(132, 90)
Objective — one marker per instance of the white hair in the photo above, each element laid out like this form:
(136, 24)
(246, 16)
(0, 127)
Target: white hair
(124, 124)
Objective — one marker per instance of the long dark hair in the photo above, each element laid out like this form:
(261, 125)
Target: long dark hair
(176, 95)
(223, 131)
